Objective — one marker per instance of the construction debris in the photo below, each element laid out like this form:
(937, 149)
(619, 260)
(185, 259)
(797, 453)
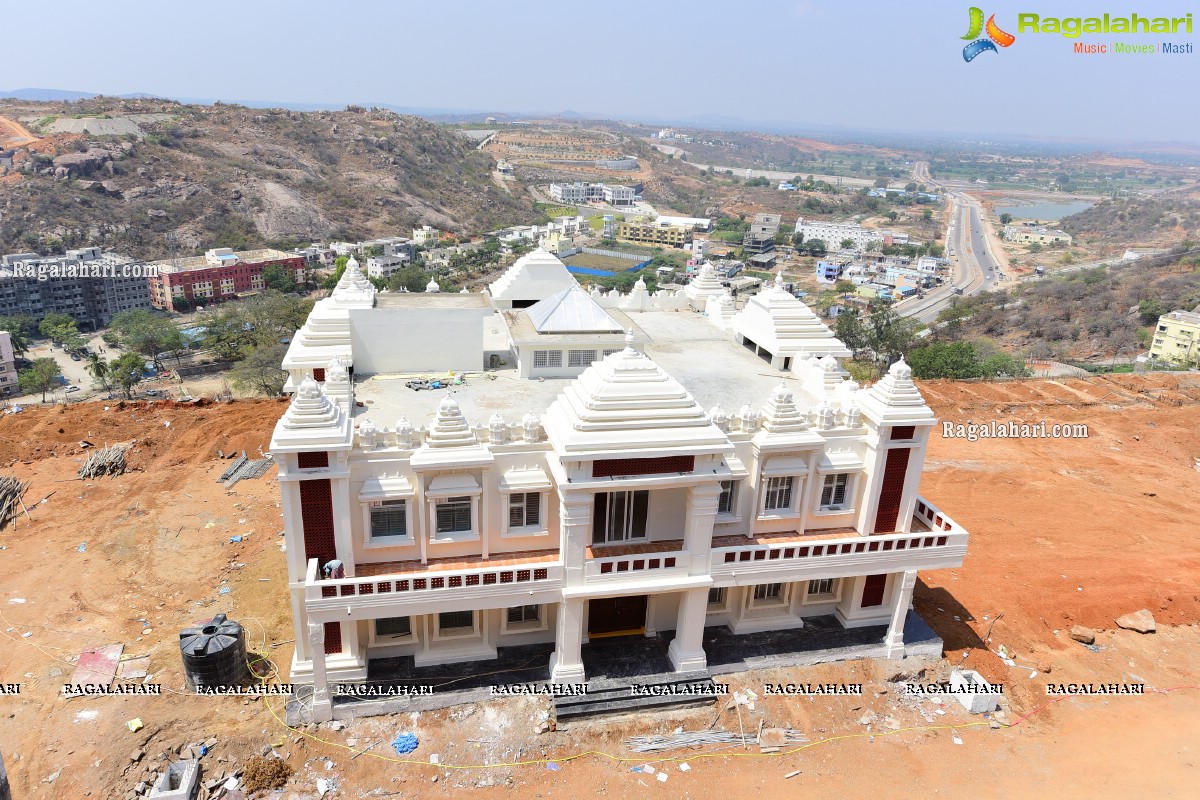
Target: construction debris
(244, 468)
(105, 461)
(654, 743)
(11, 491)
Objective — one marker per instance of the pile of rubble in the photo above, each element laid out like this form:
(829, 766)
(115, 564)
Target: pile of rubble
(169, 775)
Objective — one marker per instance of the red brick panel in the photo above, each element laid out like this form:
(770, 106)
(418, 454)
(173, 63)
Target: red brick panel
(892, 490)
(611, 467)
(316, 515)
(872, 594)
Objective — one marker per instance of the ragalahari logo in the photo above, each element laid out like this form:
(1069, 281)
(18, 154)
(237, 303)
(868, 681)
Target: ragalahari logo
(995, 36)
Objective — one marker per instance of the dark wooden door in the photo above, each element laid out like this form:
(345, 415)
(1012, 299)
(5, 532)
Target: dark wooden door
(892, 490)
(873, 590)
(616, 614)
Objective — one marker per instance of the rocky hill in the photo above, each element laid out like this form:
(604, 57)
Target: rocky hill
(1160, 221)
(130, 174)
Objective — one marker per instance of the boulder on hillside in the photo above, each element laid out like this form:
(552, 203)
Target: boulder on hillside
(1140, 621)
(1084, 635)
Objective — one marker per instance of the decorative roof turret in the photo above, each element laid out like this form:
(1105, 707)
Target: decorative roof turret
(894, 399)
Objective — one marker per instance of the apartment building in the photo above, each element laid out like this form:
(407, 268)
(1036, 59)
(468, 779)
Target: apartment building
(87, 283)
(1027, 234)
(426, 236)
(426, 529)
(8, 366)
(219, 274)
(581, 193)
(1177, 338)
(654, 233)
(834, 233)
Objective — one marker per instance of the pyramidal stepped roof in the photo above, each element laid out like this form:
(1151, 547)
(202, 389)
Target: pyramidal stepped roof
(536, 274)
(781, 323)
(895, 399)
(571, 310)
(626, 405)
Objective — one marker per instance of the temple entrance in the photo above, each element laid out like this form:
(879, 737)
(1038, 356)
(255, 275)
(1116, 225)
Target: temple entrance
(617, 616)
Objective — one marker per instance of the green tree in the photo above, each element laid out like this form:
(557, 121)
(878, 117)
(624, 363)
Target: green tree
(59, 328)
(815, 247)
(892, 215)
(148, 333)
(945, 360)
(1005, 219)
(891, 335)
(850, 331)
(927, 214)
(339, 267)
(1150, 310)
(41, 376)
(261, 371)
(881, 183)
(126, 372)
(847, 244)
(412, 279)
(279, 278)
(20, 327)
(97, 367)
(911, 186)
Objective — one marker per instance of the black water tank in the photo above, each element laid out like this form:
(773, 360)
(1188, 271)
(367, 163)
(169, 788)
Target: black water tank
(214, 654)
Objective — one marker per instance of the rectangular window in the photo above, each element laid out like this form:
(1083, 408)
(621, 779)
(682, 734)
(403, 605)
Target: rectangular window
(393, 626)
(821, 587)
(524, 509)
(522, 614)
(454, 515)
(620, 516)
(456, 622)
(716, 596)
(779, 493)
(767, 592)
(725, 501)
(313, 460)
(547, 358)
(833, 492)
(608, 352)
(390, 518)
(580, 358)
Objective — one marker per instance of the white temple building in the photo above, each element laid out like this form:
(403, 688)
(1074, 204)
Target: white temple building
(656, 478)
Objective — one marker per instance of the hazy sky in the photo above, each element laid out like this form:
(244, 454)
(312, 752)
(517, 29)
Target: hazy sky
(857, 63)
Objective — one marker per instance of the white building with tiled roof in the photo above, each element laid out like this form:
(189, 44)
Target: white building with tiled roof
(512, 513)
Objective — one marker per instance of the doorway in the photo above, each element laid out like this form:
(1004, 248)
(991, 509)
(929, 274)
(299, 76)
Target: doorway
(617, 616)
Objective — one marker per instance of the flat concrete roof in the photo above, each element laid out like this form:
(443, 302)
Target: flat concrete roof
(431, 300)
(690, 348)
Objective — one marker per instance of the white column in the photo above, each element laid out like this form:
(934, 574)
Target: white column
(566, 665)
(686, 651)
(322, 706)
(300, 623)
(575, 520)
(698, 525)
(894, 642)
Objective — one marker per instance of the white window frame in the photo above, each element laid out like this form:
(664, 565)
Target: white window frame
(723, 605)
(793, 494)
(457, 500)
(472, 632)
(444, 495)
(540, 624)
(371, 540)
(374, 500)
(628, 525)
(783, 601)
(525, 530)
(552, 359)
(731, 512)
(386, 640)
(847, 503)
(580, 358)
(832, 596)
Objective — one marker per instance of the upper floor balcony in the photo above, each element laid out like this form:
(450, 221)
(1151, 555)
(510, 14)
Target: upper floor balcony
(935, 542)
(445, 584)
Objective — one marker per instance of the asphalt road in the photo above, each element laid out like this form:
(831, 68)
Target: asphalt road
(974, 268)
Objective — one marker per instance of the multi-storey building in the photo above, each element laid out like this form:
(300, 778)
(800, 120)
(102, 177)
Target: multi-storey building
(1177, 338)
(8, 365)
(219, 274)
(431, 529)
(580, 193)
(760, 238)
(834, 233)
(87, 284)
(654, 233)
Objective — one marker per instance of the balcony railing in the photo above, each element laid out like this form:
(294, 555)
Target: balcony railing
(433, 584)
(635, 565)
(943, 545)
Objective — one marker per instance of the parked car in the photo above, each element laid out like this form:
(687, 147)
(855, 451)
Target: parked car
(75, 357)
(70, 389)
(153, 393)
